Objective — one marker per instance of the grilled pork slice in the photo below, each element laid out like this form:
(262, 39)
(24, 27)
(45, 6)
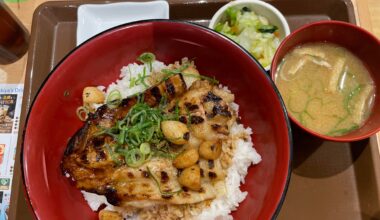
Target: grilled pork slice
(86, 158)
(205, 108)
(154, 183)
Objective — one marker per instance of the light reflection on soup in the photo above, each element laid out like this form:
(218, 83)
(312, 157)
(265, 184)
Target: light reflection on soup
(326, 88)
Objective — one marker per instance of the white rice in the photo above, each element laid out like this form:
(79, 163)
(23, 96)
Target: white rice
(244, 155)
(95, 201)
(132, 71)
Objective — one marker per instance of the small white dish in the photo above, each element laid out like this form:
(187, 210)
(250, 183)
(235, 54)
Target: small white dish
(95, 18)
(273, 15)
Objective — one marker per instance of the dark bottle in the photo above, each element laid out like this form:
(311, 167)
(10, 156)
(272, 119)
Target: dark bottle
(14, 37)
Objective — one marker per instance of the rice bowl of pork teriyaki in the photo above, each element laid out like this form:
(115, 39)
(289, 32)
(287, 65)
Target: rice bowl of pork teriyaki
(167, 139)
(160, 138)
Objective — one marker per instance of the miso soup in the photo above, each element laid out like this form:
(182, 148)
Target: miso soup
(326, 88)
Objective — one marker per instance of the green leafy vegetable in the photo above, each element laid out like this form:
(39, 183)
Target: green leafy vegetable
(339, 132)
(246, 9)
(219, 27)
(267, 29)
(232, 15)
(346, 104)
(252, 31)
(354, 92)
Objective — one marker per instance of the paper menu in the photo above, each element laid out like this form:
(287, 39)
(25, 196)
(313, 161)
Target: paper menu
(10, 110)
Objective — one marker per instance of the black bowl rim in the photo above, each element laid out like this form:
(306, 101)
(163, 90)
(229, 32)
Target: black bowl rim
(280, 203)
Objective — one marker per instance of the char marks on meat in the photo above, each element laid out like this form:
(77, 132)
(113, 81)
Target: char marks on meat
(86, 159)
(204, 107)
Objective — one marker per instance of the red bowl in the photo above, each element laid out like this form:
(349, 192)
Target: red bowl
(361, 43)
(52, 119)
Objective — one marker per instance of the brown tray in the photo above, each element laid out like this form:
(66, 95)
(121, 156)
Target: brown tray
(329, 180)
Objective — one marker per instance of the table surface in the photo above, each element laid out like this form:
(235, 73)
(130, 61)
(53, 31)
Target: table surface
(367, 13)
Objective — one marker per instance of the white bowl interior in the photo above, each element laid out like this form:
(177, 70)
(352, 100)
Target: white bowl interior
(261, 8)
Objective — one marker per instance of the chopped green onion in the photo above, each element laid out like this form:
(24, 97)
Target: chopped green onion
(146, 57)
(188, 118)
(161, 144)
(82, 113)
(140, 98)
(114, 99)
(163, 102)
(211, 80)
(143, 77)
(132, 82)
(145, 148)
(134, 158)
(171, 72)
(140, 125)
(121, 137)
(163, 193)
(173, 115)
(113, 155)
(164, 155)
